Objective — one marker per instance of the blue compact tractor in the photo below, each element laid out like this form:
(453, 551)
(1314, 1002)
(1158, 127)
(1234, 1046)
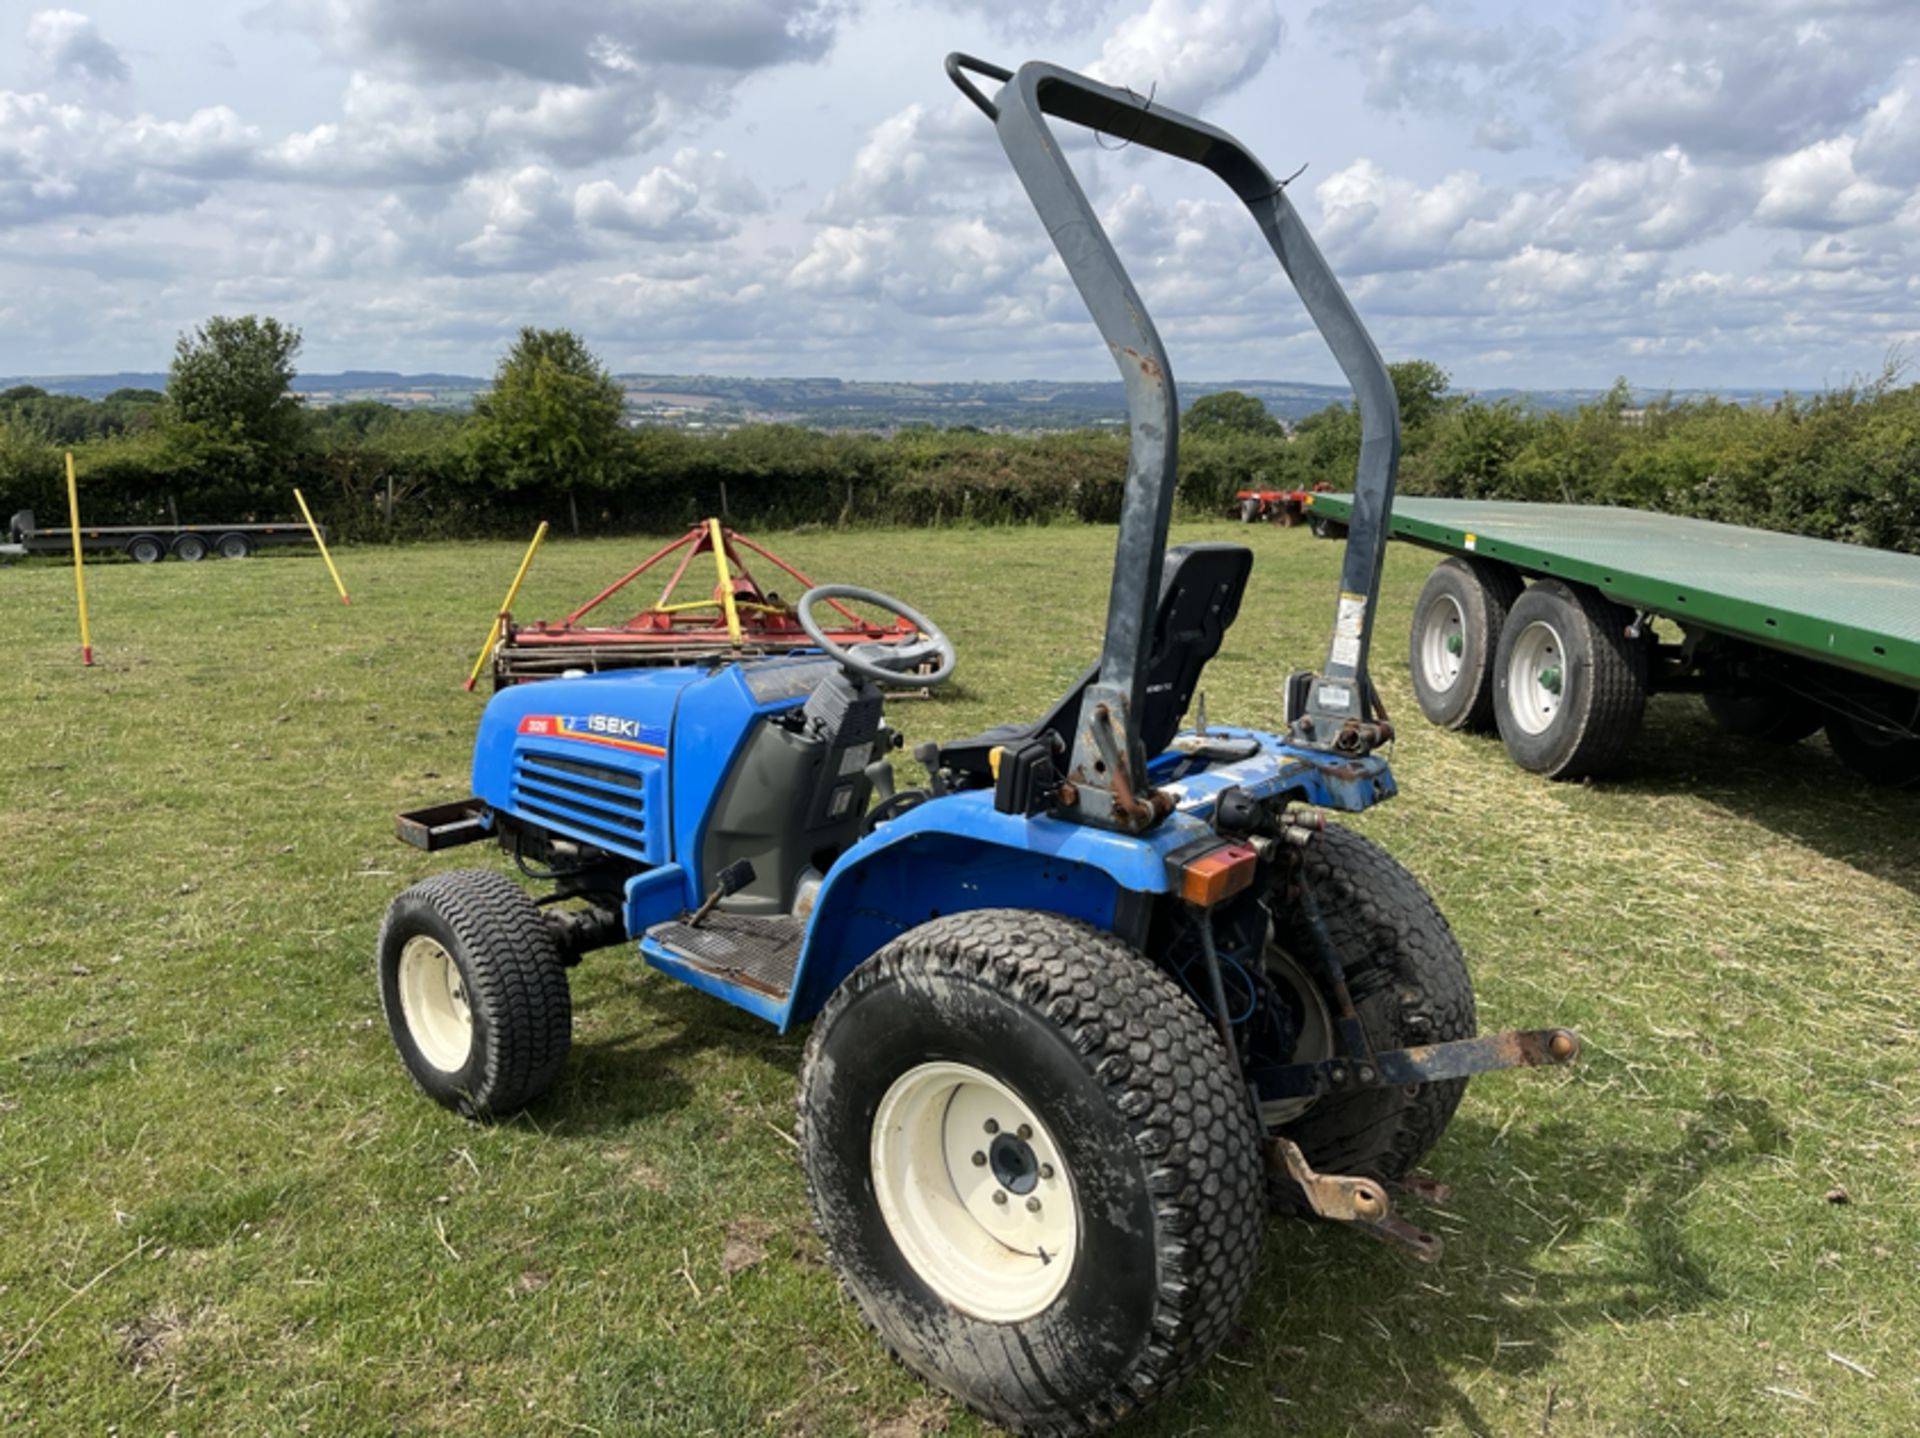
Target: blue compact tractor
(1084, 1006)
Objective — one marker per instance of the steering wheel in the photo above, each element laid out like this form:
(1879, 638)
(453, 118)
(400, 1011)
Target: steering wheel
(882, 663)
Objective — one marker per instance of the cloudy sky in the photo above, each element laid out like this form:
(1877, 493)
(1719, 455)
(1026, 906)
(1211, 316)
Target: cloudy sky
(1695, 192)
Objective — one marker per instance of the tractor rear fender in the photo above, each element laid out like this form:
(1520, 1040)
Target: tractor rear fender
(907, 873)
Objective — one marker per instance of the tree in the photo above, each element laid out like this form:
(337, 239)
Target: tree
(552, 417)
(1421, 388)
(230, 378)
(1230, 411)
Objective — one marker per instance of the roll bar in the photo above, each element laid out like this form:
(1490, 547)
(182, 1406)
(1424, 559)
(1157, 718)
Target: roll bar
(1108, 768)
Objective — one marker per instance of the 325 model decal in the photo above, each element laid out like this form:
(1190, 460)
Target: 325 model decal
(608, 729)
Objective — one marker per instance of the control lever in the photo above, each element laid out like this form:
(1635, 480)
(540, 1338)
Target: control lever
(928, 753)
(731, 880)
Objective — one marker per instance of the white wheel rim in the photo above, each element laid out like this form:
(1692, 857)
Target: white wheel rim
(433, 999)
(1443, 642)
(974, 1191)
(1314, 1042)
(1536, 676)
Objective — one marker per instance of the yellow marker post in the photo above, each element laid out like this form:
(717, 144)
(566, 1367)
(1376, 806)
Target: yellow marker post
(323, 547)
(79, 565)
(506, 605)
(726, 580)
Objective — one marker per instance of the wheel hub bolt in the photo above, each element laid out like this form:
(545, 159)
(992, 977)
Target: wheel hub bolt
(993, 1126)
(1000, 1195)
(979, 1159)
(1033, 1205)
(1046, 1170)
(1025, 1131)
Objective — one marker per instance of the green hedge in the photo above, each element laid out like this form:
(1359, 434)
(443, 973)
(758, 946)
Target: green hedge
(1844, 465)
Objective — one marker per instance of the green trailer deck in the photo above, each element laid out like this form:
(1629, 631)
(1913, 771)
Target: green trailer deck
(1784, 633)
(1841, 604)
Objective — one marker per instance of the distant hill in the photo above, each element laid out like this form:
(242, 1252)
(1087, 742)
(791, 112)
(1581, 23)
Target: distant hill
(723, 402)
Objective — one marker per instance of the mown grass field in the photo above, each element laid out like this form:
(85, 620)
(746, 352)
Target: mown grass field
(224, 1209)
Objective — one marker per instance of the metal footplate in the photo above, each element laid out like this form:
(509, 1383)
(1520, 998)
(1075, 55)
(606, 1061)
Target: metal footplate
(755, 952)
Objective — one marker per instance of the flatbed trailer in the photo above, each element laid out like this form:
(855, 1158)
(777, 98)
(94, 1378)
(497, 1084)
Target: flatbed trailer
(150, 543)
(1538, 623)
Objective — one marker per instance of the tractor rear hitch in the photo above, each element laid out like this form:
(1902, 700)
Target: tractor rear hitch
(1426, 1063)
(1362, 1202)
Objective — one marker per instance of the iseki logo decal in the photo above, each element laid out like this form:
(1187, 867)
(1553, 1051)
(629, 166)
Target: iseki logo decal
(610, 730)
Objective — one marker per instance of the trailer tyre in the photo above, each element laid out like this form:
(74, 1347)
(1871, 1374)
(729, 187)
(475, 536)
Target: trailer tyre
(1769, 713)
(1456, 629)
(474, 992)
(1409, 984)
(1878, 743)
(190, 547)
(1033, 1166)
(1569, 686)
(233, 546)
(145, 549)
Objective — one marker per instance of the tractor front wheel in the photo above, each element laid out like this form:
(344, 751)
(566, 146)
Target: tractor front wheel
(1033, 1166)
(474, 992)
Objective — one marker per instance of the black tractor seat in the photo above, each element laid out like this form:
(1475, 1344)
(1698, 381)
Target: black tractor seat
(1201, 586)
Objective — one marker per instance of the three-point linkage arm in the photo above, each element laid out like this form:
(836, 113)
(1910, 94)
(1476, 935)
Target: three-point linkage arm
(1107, 769)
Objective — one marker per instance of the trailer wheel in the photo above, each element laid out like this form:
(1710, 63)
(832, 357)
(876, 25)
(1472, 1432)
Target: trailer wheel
(1033, 1166)
(474, 992)
(1456, 628)
(1324, 528)
(1879, 742)
(190, 547)
(1764, 712)
(233, 546)
(1569, 686)
(1409, 984)
(145, 549)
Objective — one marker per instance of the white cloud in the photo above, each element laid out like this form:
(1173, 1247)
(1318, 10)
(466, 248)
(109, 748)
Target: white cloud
(1816, 188)
(67, 45)
(1745, 78)
(1188, 53)
(700, 196)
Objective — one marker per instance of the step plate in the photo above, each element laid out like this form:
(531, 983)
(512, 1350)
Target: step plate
(756, 953)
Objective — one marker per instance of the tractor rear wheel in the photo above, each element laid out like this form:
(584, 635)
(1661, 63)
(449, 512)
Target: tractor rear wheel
(1033, 1165)
(474, 992)
(1409, 985)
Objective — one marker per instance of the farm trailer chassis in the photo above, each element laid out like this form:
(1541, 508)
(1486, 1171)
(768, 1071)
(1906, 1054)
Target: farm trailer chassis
(151, 543)
(1079, 1005)
(1780, 634)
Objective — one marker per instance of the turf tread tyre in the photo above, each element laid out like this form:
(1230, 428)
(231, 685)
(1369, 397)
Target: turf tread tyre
(1485, 592)
(1605, 677)
(1410, 986)
(1169, 1087)
(516, 982)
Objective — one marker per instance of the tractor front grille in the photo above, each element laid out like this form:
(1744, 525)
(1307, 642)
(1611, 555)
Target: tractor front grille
(602, 803)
